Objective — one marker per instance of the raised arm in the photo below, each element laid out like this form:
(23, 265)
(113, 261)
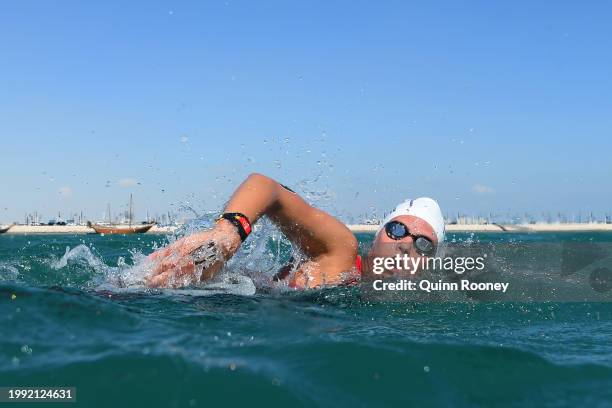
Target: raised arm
(330, 246)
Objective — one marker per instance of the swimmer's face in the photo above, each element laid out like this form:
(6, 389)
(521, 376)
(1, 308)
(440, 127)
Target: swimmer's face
(385, 246)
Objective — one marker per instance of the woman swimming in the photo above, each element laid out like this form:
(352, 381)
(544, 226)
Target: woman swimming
(415, 227)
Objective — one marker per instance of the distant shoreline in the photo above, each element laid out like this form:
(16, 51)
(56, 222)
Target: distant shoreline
(569, 227)
(73, 229)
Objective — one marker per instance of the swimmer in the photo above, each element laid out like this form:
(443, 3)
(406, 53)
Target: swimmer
(415, 227)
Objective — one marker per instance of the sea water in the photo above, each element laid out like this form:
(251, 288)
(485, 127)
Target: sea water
(74, 313)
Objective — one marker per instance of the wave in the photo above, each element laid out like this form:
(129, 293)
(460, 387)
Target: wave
(328, 373)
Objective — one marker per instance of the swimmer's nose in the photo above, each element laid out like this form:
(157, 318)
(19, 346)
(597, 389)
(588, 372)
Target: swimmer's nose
(406, 246)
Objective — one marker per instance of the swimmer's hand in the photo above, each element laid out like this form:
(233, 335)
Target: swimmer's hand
(193, 258)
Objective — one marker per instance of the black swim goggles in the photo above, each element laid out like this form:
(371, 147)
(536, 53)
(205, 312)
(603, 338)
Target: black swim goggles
(397, 230)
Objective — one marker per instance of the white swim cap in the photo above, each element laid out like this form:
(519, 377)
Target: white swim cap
(424, 208)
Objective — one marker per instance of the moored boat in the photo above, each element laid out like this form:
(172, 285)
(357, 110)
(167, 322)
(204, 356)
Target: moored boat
(121, 229)
(4, 229)
(128, 228)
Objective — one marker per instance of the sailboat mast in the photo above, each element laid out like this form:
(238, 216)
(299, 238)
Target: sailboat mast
(110, 222)
(130, 210)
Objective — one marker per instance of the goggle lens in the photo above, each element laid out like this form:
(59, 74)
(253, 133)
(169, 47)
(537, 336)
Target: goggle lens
(396, 230)
(424, 246)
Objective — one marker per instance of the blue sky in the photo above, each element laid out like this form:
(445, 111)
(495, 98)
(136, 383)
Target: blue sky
(487, 107)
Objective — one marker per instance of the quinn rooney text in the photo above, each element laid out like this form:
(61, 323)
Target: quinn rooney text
(439, 286)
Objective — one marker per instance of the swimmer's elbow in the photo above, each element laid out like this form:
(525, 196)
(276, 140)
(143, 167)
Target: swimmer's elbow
(263, 182)
(260, 179)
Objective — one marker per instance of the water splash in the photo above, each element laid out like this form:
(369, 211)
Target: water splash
(82, 266)
(79, 255)
(8, 272)
(265, 252)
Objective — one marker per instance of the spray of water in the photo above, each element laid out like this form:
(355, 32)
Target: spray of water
(8, 272)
